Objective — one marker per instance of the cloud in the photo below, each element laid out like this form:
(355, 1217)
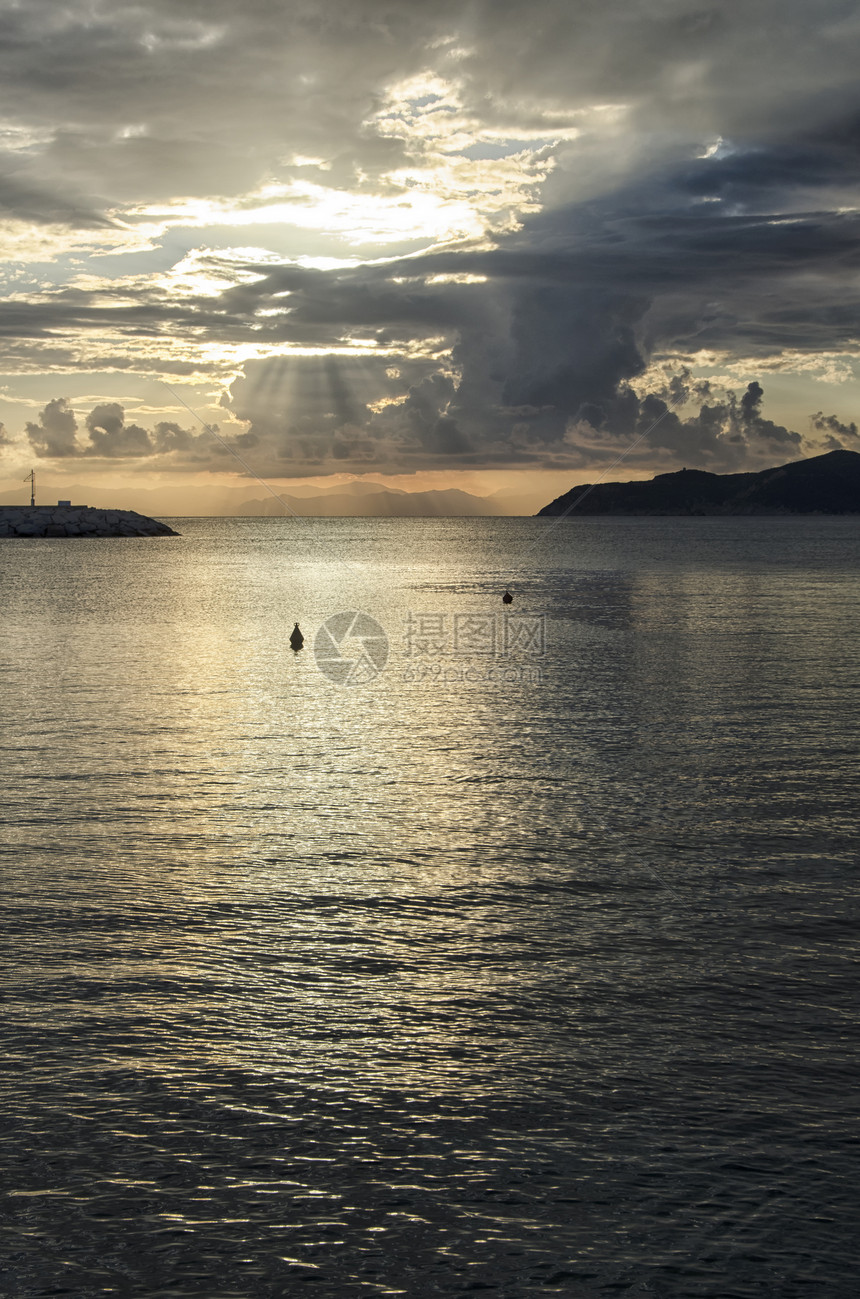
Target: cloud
(725, 433)
(111, 436)
(840, 437)
(127, 102)
(38, 204)
(54, 435)
(753, 423)
(539, 343)
(477, 234)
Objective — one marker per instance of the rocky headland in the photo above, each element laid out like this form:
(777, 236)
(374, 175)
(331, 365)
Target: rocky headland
(827, 484)
(77, 521)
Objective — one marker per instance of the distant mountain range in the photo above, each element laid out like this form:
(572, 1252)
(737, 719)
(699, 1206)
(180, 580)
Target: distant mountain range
(828, 484)
(373, 500)
(363, 499)
(366, 499)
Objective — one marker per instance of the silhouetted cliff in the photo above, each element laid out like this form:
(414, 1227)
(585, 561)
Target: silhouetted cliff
(828, 484)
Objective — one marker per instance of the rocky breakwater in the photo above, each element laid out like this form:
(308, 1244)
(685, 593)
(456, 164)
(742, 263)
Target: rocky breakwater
(77, 521)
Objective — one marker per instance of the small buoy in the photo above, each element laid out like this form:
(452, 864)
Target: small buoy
(297, 640)
(507, 598)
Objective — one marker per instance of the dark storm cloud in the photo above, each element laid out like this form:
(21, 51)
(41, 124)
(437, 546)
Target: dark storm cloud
(151, 100)
(840, 437)
(555, 337)
(724, 433)
(146, 101)
(716, 209)
(559, 338)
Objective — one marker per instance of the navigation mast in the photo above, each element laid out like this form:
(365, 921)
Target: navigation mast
(31, 479)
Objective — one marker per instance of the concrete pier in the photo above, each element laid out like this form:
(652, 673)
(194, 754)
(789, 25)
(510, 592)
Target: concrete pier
(77, 521)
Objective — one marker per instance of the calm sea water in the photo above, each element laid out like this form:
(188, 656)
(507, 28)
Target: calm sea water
(473, 953)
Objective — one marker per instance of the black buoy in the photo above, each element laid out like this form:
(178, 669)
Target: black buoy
(297, 640)
(507, 598)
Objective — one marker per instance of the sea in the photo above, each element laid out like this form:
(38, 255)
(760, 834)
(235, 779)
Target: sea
(471, 947)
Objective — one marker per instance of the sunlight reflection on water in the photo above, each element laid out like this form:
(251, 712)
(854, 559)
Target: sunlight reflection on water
(538, 983)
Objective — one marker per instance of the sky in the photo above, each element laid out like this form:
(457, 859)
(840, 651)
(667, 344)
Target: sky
(478, 245)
